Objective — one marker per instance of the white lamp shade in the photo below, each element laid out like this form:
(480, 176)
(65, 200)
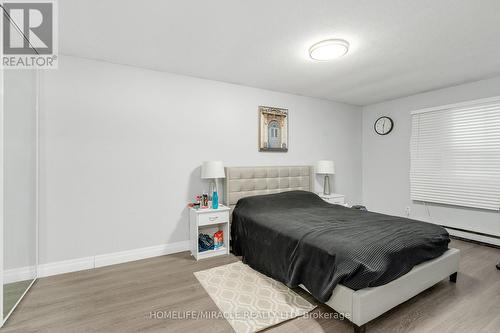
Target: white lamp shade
(212, 169)
(325, 167)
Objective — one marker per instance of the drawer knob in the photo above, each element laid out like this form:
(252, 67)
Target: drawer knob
(213, 218)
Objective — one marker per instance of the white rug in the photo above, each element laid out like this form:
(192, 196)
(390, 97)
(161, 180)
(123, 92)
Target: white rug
(249, 300)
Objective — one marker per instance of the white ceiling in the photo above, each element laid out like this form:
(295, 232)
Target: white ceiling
(398, 48)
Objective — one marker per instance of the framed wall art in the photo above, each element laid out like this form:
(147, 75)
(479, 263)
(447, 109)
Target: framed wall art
(273, 129)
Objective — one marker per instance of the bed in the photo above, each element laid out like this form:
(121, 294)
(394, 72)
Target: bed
(361, 264)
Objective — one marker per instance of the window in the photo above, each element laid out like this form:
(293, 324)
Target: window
(455, 154)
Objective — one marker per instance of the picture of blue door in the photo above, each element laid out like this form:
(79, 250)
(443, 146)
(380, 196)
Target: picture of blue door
(274, 136)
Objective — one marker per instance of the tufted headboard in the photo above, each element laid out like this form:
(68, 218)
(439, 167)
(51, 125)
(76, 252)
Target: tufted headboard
(243, 182)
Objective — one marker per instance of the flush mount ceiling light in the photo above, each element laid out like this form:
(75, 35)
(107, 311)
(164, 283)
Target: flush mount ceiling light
(329, 49)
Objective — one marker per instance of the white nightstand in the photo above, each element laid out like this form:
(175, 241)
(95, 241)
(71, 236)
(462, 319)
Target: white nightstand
(333, 198)
(208, 221)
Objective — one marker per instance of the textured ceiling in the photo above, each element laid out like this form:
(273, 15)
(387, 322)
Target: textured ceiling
(398, 48)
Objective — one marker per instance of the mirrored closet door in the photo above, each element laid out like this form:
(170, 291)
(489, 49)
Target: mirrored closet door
(19, 186)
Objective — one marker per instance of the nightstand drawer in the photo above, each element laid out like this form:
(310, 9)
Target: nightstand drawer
(213, 218)
(337, 200)
(334, 198)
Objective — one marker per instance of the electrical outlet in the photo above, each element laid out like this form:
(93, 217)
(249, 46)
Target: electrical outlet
(407, 210)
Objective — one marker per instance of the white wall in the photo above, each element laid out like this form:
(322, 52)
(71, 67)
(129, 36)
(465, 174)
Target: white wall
(121, 149)
(386, 160)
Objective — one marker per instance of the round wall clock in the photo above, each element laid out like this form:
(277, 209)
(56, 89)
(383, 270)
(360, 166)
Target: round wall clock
(383, 125)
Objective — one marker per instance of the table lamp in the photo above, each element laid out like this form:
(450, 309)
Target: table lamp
(213, 170)
(325, 168)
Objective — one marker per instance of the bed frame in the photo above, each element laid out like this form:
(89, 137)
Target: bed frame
(359, 306)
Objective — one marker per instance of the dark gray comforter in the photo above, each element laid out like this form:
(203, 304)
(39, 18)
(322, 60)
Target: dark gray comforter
(297, 238)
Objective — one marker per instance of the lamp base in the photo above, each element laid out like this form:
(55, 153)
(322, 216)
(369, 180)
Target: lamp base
(212, 187)
(326, 185)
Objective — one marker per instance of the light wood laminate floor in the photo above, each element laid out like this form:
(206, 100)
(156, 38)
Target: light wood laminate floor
(120, 298)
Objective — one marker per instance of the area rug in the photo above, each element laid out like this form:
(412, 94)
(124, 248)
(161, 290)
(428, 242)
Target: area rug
(249, 300)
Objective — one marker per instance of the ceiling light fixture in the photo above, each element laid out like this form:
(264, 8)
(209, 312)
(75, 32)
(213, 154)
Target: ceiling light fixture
(329, 49)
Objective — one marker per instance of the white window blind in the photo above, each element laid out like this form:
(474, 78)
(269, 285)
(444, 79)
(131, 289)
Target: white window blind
(455, 154)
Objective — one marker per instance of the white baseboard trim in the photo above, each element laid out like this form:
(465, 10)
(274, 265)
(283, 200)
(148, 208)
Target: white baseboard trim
(65, 266)
(19, 274)
(475, 237)
(102, 260)
(138, 254)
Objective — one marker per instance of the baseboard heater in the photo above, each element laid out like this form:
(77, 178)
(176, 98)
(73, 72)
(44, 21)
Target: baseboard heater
(475, 236)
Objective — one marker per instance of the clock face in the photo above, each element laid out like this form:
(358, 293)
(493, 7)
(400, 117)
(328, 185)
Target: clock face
(383, 125)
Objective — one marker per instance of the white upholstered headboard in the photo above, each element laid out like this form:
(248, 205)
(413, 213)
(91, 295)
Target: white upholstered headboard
(243, 182)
